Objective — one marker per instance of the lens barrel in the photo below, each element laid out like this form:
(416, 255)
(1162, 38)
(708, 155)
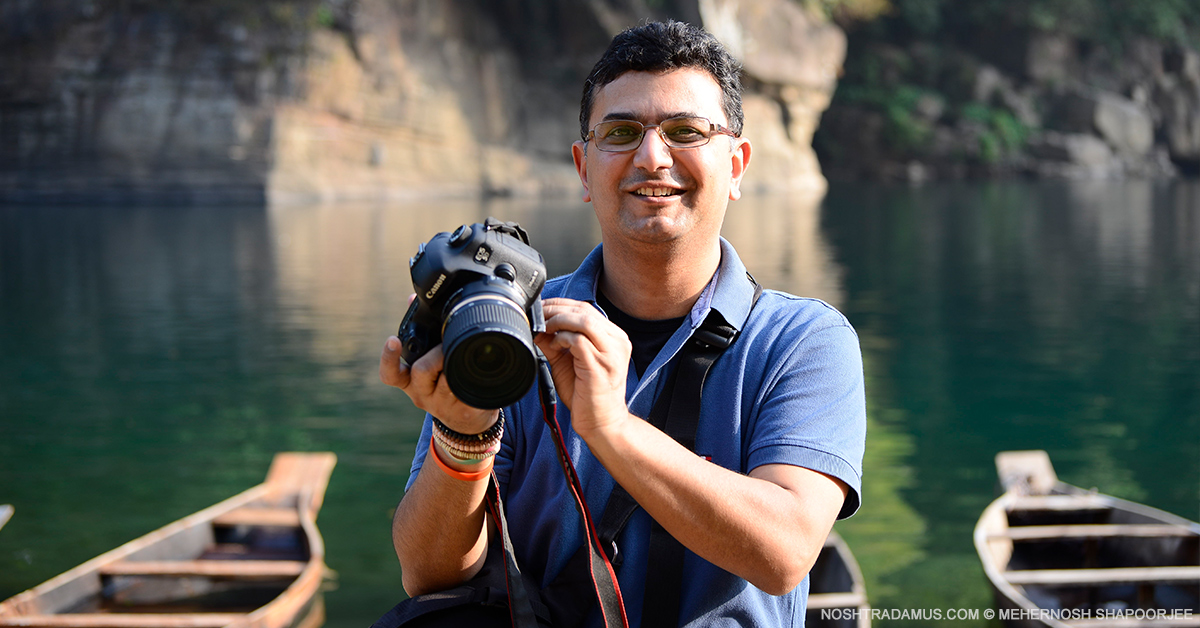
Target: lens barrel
(490, 359)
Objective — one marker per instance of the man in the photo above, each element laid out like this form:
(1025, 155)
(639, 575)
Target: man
(782, 421)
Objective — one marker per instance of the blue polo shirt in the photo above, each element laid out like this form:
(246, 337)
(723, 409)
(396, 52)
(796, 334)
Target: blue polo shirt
(789, 390)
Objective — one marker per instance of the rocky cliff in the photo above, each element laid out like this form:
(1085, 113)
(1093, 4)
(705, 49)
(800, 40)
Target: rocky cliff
(317, 100)
(1013, 102)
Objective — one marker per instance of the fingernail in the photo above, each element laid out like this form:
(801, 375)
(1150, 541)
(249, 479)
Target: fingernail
(392, 344)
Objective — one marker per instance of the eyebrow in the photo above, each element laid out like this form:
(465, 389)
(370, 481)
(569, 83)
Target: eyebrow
(628, 115)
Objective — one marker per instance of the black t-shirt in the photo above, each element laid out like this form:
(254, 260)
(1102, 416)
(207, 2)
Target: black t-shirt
(647, 337)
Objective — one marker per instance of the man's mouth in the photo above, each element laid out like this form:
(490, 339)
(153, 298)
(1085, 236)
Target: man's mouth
(656, 192)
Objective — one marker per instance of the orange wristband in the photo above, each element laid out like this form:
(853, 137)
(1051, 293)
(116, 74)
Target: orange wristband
(465, 476)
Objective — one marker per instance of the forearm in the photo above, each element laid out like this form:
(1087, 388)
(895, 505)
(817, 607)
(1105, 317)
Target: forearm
(439, 531)
(767, 527)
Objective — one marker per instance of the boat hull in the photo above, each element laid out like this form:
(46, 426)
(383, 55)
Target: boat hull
(837, 595)
(255, 560)
(1058, 556)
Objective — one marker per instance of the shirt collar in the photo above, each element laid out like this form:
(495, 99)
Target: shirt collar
(729, 292)
(585, 281)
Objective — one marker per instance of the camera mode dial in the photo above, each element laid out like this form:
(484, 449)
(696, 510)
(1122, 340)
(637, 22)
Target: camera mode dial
(460, 236)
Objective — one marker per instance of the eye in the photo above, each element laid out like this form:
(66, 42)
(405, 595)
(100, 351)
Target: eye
(619, 132)
(686, 131)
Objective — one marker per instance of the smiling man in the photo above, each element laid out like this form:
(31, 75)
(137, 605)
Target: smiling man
(775, 442)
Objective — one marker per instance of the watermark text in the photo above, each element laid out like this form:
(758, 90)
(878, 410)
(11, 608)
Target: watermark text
(1004, 614)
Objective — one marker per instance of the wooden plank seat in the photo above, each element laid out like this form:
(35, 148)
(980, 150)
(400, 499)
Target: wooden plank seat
(123, 620)
(271, 517)
(1060, 502)
(836, 600)
(1093, 531)
(1097, 577)
(241, 569)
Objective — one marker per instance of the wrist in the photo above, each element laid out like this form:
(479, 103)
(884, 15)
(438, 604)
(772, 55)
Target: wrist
(452, 452)
(457, 443)
(470, 425)
(608, 428)
(471, 471)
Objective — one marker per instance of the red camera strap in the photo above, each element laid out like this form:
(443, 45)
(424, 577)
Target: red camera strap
(604, 578)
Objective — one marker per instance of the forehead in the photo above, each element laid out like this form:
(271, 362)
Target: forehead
(650, 97)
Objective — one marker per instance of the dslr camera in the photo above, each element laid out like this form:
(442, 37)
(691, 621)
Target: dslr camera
(479, 295)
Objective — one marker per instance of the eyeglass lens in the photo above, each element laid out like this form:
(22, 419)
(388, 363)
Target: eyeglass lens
(625, 135)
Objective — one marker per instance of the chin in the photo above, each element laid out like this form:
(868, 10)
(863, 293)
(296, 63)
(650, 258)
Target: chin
(655, 230)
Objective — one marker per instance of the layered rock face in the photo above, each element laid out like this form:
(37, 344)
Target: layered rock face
(307, 101)
(1039, 104)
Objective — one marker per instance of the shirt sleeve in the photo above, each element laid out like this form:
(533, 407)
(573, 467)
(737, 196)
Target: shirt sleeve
(422, 451)
(811, 409)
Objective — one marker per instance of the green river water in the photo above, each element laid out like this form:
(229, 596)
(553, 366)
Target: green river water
(152, 360)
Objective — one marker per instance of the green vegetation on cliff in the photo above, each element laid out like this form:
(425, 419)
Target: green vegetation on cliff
(1095, 21)
(951, 88)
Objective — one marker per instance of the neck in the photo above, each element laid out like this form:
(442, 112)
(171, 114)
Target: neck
(660, 282)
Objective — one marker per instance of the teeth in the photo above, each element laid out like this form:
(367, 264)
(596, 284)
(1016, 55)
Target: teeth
(655, 191)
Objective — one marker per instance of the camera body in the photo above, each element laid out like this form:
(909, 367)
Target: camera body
(479, 295)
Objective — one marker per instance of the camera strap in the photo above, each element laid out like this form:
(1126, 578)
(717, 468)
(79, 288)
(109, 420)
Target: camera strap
(603, 575)
(602, 584)
(677, 413)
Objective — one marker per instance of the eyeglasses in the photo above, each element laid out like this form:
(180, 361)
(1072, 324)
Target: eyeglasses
(620, 136)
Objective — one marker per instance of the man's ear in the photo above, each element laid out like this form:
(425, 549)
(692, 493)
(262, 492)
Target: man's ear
(740, 160)
(579, 154)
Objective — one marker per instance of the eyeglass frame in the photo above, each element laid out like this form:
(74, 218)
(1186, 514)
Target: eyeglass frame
(714, 130)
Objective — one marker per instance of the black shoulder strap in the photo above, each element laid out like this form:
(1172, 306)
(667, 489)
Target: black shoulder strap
(520, 606)
(680, 419)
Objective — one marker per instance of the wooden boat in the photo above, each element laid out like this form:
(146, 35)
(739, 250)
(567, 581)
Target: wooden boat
(255, 560)
(6, 513)
(836, 587)
(1058, 556)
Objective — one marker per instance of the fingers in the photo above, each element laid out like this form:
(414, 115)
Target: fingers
(421, 379)
(566, 318)
(392, 369)
(580, 339)
(426, 374)
(429, 390)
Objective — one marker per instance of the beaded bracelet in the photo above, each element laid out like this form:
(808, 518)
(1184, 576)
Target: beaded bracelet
(465, 476)
(471, 442)
(474, 453)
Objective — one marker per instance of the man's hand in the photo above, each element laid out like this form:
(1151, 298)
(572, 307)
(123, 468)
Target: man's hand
(426, 385)
(589, 360)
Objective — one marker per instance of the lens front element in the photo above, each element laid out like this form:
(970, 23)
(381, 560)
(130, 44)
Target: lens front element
(490, 361)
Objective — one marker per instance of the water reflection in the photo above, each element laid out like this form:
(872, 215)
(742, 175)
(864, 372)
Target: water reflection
(779, 238)
(1058, 316)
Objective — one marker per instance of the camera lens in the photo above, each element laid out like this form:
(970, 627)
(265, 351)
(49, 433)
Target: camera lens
(490, 361)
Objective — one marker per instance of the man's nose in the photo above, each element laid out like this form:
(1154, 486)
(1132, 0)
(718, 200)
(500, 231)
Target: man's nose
(653, 153)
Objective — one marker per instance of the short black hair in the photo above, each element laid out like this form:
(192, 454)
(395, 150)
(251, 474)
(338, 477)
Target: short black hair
(661, 47)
